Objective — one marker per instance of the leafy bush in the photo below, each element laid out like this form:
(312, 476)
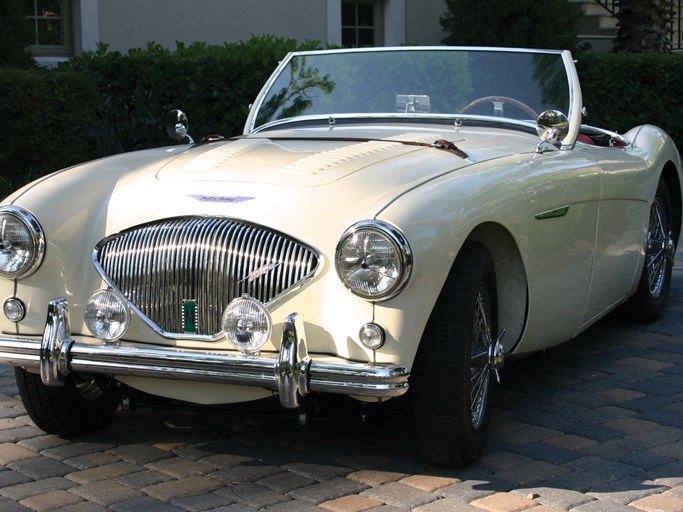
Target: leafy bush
(624, 90)
(15, 35)
(47, 116)
(213, 84)
(520, 24)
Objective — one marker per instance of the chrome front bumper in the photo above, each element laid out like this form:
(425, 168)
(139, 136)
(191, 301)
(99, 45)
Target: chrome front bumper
(292, 373)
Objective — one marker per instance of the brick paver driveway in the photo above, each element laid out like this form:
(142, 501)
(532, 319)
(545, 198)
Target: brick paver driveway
(594, 425)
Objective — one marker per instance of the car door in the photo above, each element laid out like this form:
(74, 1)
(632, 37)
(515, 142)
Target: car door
(621, 229)
(562, 204)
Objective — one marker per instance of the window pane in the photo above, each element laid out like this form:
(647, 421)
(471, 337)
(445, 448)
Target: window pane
(50, 32)
(49, 8)
(349, 37)
(358, 23)
(366, 37)
(49, 22)
(366, 15)
(348, 14)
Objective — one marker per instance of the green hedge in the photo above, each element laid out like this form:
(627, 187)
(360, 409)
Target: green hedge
(46, 119)
(106, 102)
(623, 90)
(212, 84)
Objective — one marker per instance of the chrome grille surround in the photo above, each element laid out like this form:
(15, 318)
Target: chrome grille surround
(162, 265)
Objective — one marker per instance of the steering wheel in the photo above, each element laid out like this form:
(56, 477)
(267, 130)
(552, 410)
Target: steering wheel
(502, 100)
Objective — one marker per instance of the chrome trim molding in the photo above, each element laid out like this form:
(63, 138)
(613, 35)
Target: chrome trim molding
(292, 373)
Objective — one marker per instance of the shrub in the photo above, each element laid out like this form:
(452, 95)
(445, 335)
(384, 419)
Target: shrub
(213, 84)
(15, 35)
(49, 114)
(624, 90)
(520, 24)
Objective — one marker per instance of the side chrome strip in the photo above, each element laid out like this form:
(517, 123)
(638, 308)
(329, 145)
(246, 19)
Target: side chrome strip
(292, 373)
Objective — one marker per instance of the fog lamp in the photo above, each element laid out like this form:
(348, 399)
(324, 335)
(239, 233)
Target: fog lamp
(107, 315)
(247, 324)
(372, 336)
(14, 310)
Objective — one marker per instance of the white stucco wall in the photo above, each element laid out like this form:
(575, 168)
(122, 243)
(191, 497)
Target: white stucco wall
(422, 21)
(125, 24)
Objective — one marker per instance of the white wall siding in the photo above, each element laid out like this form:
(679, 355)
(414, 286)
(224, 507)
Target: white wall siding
(422, 21)
(125, 24)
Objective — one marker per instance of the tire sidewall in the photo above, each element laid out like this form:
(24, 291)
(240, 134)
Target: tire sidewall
(441, 379)
(643, 306)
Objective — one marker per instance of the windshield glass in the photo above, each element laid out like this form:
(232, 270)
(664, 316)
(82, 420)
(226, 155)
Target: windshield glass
(510, 84)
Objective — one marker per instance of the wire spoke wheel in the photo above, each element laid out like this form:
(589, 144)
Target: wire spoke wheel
(649, 301)
(480, 367)
(657, 249)
(452, 373)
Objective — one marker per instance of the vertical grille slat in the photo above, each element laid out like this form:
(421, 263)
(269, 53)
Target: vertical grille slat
(208, 260)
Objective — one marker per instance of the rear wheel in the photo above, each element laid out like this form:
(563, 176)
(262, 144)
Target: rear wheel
(451, 379)
(84, 404)
(653, 289)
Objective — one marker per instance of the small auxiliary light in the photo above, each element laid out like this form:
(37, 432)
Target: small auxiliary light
(372, 336)
(14, 309)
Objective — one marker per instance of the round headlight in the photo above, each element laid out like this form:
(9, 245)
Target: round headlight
(22, 243)
(373, 260)
(107, 315)
(247, 324)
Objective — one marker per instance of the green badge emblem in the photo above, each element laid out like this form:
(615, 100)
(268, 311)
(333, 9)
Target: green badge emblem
(189, 316)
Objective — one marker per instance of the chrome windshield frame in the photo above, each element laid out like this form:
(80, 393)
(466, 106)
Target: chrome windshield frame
(575, 102)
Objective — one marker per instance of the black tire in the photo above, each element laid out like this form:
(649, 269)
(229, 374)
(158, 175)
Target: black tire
(450, 414)
(81, 406)
(650, 299)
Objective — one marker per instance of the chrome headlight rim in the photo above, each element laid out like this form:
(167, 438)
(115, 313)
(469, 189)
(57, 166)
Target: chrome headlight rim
(37, 237)
(400, 245)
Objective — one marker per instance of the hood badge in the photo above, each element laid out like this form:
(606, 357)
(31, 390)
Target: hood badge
(259, 272)
(189, 316)
(220, 199)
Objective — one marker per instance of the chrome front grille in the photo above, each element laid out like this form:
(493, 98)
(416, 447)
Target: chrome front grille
(193, 267)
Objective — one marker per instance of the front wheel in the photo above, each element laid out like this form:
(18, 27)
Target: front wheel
(83, 405)
(451, 379)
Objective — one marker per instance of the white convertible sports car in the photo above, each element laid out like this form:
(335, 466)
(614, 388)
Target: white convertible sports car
(392, 221)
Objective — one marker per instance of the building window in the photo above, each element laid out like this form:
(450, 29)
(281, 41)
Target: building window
(359, 24)
(51, 25)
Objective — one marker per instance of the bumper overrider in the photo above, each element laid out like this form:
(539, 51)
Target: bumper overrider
(291, 372)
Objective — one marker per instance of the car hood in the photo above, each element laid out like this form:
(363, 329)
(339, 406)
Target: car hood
(291, 161)
(291, 183)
